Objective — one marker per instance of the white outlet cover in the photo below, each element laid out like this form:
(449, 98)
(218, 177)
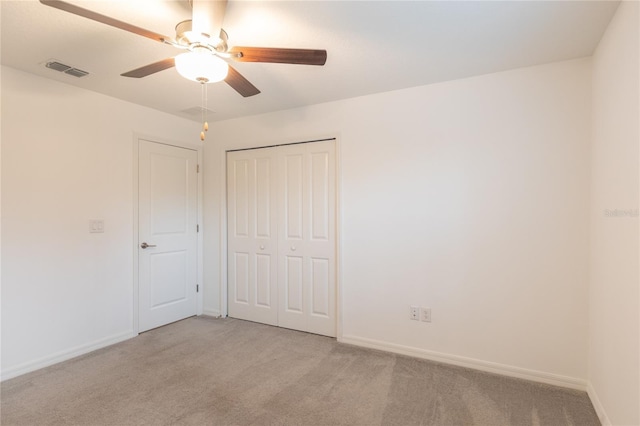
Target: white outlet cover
(414, 313)
(425, 314)
(96, 226)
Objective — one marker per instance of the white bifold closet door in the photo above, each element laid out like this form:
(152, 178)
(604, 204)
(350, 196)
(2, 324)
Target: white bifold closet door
(281, 236)
(252, 235)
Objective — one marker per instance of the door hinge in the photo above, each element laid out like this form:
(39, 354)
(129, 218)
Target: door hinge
(197, 168)
(197, 228)
(197, 288)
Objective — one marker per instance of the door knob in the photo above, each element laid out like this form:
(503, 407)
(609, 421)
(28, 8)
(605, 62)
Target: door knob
(145, 245)
(261, 247)
(293, 248)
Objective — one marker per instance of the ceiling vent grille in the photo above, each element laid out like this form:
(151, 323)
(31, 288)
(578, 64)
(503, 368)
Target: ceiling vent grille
(54, 65)
(196, 111)
(59, 66)
(76, 72)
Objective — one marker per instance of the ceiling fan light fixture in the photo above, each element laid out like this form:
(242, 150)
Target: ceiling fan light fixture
(202, 66)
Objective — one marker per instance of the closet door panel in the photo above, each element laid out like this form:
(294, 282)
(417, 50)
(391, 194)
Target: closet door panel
(322, 238)
(252, 236)
(293, 187)
(320, 283)
(293, 285)
(307, 232)
(320, 196)
(263, 283)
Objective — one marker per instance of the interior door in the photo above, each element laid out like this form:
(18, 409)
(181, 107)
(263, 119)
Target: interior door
(167, 234)
(251, 237)
(307, 243)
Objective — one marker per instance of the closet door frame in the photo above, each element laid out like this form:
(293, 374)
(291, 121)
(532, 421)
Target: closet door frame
(223, 310)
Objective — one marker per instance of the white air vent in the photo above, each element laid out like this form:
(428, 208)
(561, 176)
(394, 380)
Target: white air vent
(54, 65)
(67, 69)
(196, 111)
(76, 72)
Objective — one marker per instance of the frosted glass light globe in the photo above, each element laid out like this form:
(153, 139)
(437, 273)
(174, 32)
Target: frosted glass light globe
(202, 66)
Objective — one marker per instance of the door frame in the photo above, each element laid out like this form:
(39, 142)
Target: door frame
(137, 137)
(224, 309)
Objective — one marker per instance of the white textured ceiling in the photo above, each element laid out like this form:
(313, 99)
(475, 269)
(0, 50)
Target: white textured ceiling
(373, 46)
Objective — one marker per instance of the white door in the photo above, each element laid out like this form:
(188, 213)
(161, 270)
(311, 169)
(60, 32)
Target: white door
(281, 236)
(252, 236)
(167, 234)
(307, 244)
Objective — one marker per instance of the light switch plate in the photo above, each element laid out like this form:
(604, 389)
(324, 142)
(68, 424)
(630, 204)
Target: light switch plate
(96, 226)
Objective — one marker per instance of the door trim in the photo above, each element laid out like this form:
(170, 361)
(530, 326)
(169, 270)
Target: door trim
(137, 137)
(224, 310)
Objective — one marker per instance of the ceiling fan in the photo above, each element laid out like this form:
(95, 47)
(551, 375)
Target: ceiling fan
(205, 42)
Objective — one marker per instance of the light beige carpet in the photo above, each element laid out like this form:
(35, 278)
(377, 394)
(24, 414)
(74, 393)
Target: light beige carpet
(204, 371)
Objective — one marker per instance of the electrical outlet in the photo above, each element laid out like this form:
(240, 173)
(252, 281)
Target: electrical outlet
(425, 314)
(414, 312)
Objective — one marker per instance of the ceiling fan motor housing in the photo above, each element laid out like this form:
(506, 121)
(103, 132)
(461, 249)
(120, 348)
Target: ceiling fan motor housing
(185, 36)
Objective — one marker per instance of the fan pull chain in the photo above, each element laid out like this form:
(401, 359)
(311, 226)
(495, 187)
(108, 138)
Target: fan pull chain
(203, 100)
(205, 124)
(206, 109)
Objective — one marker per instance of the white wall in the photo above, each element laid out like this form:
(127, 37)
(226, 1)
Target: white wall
(469, 197)
(67, 157)
(614, 330)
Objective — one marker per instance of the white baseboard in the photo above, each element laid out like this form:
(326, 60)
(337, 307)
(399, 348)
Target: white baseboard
(211, 313)
(597, 405)
(492, 367)
(65, 355)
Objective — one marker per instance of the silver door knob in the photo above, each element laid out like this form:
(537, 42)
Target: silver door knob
(293, 248)
(261, 247)
(145, 245)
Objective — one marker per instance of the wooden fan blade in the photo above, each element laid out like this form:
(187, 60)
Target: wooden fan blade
(208, 16)
(280, 56)
(240, 84)
(150, 69)
(85, 13)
